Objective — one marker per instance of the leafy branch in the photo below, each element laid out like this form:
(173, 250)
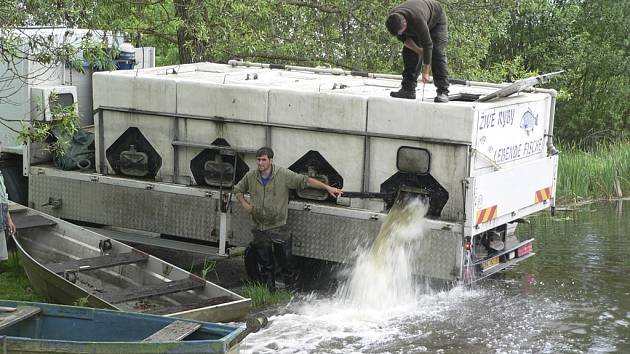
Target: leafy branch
(57, 133)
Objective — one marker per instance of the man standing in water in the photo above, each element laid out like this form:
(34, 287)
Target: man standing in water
(6, 223)
(422, 26)
(268, 187)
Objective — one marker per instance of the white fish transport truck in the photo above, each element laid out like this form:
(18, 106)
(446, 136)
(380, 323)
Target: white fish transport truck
(171, 142)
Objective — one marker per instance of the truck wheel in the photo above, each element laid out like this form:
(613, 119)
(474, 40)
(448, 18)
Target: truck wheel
(315, 274)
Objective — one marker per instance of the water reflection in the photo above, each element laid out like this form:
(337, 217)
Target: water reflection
(583, 259)
(572, 297)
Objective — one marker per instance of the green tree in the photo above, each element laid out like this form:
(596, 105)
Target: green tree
(597, 106)
(490, 40)
(587, 39)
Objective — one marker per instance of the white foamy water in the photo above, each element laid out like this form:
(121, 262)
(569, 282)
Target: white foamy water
(373, 307)
(316, 325)
(573, 297)
(382, 278)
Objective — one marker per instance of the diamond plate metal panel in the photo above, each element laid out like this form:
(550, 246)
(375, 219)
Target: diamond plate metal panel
(239, 226)
(166, 213)
(329, 237)
(321, 236)
(440, 254)
(337, 239)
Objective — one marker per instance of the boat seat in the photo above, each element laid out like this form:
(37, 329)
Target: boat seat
(106, 261)
(189, 306)
(142, 292)
(22, 221)
(175, 331)
(12, 315)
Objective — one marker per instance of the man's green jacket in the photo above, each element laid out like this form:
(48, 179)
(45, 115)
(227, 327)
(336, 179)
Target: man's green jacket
(270, 203)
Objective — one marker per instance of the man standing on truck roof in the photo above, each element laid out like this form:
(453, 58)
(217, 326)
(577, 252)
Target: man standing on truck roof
(422, 26)
(268, 187)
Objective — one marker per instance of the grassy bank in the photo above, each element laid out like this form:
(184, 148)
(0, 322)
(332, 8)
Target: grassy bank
(14, 284)
(598, 172)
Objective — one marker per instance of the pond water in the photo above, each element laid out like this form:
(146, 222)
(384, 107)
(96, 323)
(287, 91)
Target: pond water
(572, 297)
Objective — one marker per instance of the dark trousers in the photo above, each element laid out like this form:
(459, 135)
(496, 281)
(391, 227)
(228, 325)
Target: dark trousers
(268, 257)
(439, 65)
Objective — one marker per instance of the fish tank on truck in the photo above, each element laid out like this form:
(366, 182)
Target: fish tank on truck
(172, 141)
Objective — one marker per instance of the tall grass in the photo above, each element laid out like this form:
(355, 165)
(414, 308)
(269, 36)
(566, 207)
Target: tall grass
(598, 172)
(261, 296)
(14, 285)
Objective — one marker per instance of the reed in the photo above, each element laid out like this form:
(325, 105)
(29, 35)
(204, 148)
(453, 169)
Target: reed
(601, 171)
(261, 295)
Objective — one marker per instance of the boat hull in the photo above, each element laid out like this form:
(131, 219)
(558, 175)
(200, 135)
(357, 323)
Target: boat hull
(41, 248)
(54, 288)
(22, 346)
(70, 329)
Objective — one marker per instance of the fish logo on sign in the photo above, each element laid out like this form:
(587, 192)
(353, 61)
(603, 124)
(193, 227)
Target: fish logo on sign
(529, 121)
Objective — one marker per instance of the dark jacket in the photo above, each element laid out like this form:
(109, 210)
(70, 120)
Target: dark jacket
(422, 16)
(270, 203)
